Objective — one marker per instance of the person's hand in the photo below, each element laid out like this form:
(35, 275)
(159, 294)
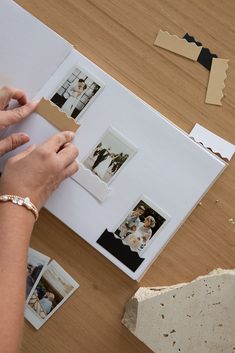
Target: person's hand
(38, 171)
(12, 116)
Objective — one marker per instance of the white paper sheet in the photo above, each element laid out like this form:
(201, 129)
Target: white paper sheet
(30, 52)
(170, 169)
(212, 141)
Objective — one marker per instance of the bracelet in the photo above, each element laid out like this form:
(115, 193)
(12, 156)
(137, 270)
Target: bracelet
(21, 201)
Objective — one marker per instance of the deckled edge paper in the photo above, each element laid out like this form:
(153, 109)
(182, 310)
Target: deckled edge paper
(205, 57)
(177, 45)
(216, 144)
(92, 183)
(216, 83)
(56, 116)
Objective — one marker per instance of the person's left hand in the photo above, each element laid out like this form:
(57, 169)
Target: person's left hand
(13, 116)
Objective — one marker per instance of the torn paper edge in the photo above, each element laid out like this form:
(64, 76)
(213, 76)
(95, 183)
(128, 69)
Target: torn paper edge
(213, 142)
(56, 116)
(92, 183)
(216, 81)
(177, 45)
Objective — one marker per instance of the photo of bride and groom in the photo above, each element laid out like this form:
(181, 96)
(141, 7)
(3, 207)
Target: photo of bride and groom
(139, 227)
(75, 92)
(109, 155)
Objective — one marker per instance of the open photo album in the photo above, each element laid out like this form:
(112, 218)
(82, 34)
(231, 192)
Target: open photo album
(140, 176)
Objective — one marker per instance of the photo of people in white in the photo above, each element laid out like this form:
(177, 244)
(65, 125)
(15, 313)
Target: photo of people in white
(139, 227)
(75, 92)
(109, 155)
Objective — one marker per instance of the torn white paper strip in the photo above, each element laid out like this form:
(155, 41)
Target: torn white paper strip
(92, 183)
(212, 141)
(189, 317)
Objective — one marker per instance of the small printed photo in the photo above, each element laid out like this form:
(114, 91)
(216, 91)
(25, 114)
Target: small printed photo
(109, 155)
(141, 225)
(53, 289)
(77, 90)
(36, 264)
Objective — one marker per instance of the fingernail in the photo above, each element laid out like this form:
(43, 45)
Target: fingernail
(24, 135)
(71, 135)
(34, 103)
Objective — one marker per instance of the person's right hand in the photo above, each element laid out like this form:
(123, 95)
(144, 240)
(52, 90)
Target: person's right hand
(38, 171)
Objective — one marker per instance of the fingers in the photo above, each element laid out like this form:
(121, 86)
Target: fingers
(7, 93)
(68, 154)
(24, 153)
(57, 141)
(70, 170)
(16, 115)
(12, 142)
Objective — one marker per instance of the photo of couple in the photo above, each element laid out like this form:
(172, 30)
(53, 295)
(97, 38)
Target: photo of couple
(109, 155)
(139, 227)
(75, 92)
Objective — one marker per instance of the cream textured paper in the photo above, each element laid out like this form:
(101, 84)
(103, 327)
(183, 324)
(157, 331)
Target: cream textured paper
(216, 84)
(189, 317)
(55, 116)
(177, 45)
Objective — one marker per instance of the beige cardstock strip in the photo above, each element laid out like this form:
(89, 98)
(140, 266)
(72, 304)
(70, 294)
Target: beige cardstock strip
(177, 45)
(56, 116)
(216, 84)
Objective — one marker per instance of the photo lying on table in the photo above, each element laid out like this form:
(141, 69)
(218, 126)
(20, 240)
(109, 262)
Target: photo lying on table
(109, 155)
(76, 92)
(53, 289)
(36, 265)
(142, 224)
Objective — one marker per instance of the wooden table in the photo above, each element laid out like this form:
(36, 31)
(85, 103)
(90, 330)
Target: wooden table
(118, 36)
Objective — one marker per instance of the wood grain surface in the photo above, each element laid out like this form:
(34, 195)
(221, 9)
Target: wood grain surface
(118, 36)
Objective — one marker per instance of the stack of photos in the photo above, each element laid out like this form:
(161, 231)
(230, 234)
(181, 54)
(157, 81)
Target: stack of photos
(76, 92)
(53, 287)
(110, 154)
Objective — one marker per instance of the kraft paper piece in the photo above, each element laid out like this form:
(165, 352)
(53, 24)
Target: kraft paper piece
(213, 142)
(205, 57)
(216, 83)
(189, 317)
(177, 45)
(92, 183)
(56, 116)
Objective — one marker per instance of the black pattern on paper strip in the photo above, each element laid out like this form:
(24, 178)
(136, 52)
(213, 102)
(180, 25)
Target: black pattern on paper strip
(121, 251)
(205, 57)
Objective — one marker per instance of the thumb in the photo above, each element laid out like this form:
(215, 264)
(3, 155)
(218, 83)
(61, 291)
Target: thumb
(24, 153)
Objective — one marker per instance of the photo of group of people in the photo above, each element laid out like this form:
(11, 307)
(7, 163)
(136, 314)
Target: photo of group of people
(109, 155)
(53, 288)
(140, 225)
(75, 92)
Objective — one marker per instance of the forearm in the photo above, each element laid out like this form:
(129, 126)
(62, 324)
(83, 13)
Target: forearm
(16, 224)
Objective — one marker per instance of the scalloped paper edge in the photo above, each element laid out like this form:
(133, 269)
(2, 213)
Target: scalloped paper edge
(216, 82)
(177, 45)
(212, 142)
(56, 116)
(92, 183)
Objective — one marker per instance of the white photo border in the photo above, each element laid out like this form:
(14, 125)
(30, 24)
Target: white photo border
(153, 206)
(93, 77)
(46, 260)
(123, 139)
